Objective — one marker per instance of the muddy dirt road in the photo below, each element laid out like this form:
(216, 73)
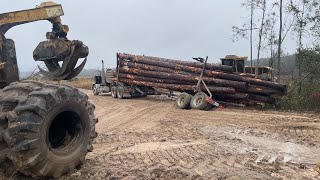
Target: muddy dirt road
(149, 138)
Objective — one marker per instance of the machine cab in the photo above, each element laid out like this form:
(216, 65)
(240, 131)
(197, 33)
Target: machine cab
(238, 63)
(264, 72)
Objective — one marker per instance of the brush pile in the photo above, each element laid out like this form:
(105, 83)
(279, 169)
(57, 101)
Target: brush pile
(177, 75)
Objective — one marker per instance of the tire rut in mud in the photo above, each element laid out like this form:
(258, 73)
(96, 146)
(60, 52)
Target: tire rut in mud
(178, 146)
(194, 161)
(175, 145)
(302, 134)
(267, 146)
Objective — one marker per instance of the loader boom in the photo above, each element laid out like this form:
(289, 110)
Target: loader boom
(45, 11)
(11, 19)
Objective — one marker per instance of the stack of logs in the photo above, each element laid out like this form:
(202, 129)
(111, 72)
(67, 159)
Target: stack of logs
(182, 76)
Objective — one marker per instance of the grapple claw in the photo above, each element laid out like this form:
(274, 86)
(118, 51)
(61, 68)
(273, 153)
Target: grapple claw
(77, 70)
(55, 50)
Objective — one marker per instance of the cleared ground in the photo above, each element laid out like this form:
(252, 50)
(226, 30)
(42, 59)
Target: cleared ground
(149, 138)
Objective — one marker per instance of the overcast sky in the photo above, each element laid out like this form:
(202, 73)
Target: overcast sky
(178, 29)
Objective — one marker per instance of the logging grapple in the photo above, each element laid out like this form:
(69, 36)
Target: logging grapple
(61, 50)
(46, 130)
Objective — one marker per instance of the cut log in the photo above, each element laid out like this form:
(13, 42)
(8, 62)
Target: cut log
(246, 75)
(237, 95)
(264, 90)
(182, 77)
(231, 104)
(174, 66)
(156, 80)
(264, 99)
(209, 66)
(146, 67)
(220, 75)
(251, 81)
(177, 87)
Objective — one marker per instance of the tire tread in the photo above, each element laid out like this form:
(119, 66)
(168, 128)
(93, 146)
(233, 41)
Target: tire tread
(30, 102)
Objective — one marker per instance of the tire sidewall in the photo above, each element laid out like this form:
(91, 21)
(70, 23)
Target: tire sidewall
(28, 122)
(202, 105)
(95, 91)
(186, 103)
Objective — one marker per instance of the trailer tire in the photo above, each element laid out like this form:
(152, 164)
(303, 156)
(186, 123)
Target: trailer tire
(199, 101)
(95, 91)
(114, 91)
(120, 91)
(209, 107)
(48, 129)
(183, 101)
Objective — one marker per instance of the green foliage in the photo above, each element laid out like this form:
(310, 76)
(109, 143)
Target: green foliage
(309, 97)
(309, 59)
(300, 102)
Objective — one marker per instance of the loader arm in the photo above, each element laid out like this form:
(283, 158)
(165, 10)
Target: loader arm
(56, 48)
(46, 11)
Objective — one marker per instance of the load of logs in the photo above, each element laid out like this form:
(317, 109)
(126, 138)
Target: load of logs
(177, 75)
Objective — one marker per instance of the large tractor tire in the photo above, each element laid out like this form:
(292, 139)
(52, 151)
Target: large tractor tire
(45, 130)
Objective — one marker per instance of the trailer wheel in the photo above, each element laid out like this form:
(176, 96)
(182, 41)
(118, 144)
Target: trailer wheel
(95, 91)
(114, 91)
(198, 101)
(183, 101)
(120, 90)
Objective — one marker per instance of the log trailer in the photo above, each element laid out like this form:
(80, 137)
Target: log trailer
(114, 82)
(200, 85)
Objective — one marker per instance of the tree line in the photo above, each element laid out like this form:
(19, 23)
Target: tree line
(269, 24)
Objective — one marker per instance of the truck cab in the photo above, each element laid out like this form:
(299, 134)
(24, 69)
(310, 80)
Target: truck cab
(103, 82)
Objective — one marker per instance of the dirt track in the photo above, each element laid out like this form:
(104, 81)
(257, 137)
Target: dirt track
(149, 138)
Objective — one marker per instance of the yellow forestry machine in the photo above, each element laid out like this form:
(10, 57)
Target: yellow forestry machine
(46, 130)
